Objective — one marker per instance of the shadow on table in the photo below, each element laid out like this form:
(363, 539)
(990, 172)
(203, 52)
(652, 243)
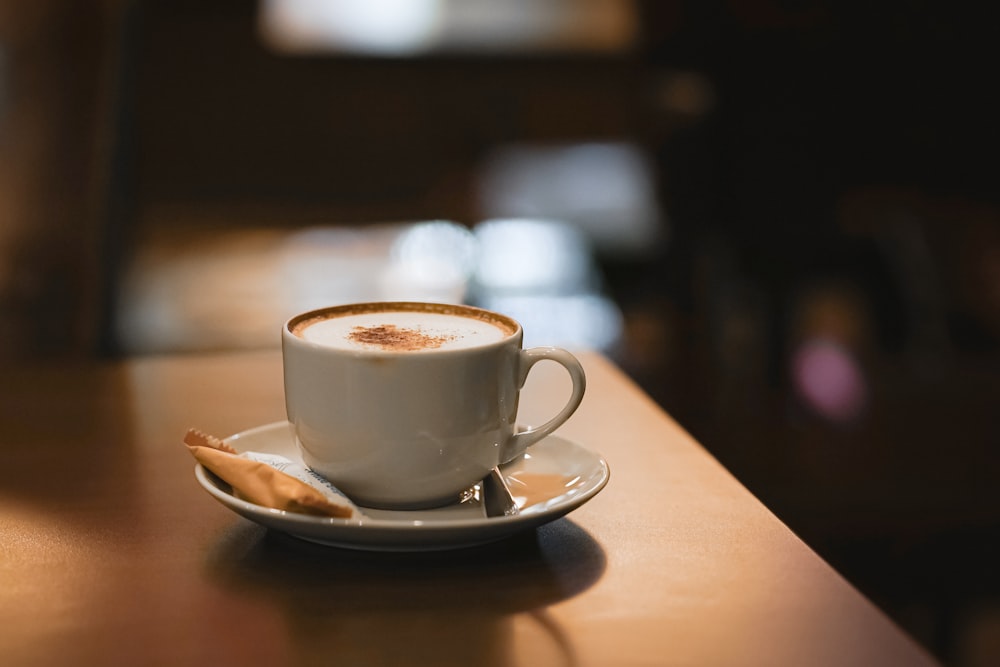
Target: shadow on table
(445, 607)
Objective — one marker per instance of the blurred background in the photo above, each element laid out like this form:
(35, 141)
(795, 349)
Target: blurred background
(781, 218)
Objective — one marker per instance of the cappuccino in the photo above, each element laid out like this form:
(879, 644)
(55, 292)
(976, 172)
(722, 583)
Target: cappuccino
(406, 405)
(402, 327)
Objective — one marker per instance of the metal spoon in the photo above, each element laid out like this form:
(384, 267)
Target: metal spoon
(497, 498)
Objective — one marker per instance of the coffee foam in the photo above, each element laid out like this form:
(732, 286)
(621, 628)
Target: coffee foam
(402, 330)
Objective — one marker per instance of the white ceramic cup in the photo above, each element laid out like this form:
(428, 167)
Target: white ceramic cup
(396, 425)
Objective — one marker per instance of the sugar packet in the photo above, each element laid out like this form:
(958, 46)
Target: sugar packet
(270, 480)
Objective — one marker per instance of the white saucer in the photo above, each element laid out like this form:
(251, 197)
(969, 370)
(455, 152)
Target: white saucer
(555, 477)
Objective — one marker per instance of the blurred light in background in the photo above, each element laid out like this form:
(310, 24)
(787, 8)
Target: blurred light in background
(328, 265)
(524, 256)
(412, 27)
(588, 321)
(389, 27)
(430, 261)
(607, 190)
(542, 273)
(829, 380)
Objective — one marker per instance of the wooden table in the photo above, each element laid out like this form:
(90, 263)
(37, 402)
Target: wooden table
(111, 553)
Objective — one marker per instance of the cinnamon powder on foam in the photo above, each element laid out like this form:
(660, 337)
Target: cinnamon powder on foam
(392, 337)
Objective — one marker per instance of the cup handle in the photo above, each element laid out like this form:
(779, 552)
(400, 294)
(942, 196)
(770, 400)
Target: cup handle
(520, 441)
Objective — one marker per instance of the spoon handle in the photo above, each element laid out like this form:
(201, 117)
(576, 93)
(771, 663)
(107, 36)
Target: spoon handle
(496, 495)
